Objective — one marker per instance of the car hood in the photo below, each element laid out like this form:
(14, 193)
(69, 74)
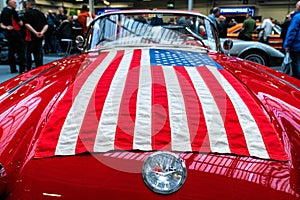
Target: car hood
(157, 99)
(82, 126)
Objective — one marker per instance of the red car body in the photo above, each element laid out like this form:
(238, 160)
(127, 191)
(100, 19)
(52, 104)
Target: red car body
(29, 102)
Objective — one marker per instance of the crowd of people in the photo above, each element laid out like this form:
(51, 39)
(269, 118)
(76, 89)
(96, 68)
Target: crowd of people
(290, 33)
(33, 32)
(25, 32)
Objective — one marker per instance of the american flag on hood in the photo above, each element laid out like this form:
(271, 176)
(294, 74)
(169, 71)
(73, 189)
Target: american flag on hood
(155, 99)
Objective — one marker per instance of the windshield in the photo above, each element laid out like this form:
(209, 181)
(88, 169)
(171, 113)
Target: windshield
(153, 28)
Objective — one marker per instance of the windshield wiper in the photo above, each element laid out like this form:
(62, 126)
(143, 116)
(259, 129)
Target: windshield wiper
(197, 37)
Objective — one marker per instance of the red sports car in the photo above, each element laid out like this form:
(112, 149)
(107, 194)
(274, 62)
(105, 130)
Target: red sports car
(150, 110)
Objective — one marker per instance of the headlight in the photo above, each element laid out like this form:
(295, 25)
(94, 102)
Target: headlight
(164, 172)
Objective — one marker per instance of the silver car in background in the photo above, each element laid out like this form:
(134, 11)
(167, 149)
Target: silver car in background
(254, 51)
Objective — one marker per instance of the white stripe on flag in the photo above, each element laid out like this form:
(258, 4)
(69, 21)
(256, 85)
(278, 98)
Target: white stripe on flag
(180, 134)
(143, 123)
(214, 122)
(106, 132)
(69, 134)
(251, 131)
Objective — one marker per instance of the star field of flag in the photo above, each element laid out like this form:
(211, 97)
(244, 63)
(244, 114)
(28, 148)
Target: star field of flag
(161, 57)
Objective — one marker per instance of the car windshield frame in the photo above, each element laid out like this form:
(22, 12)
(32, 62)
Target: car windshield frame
(124, 28)
(277, 29)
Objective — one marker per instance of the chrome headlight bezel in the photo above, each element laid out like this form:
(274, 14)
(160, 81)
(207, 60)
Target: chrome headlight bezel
(164, 172)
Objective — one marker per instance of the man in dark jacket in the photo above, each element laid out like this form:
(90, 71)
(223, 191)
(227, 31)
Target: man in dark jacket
(50, 35)
(292, 41)
(66, 31)
(223, 26)
(11, 23)
(61, 16)
(284, 26)
(35, 21)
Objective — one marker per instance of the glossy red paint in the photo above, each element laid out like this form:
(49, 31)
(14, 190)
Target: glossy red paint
(116, 175)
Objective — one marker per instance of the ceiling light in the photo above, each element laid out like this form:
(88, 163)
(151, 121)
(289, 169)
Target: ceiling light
(107, 3)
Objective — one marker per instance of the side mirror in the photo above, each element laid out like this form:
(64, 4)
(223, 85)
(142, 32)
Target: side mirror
(227, 45)
(79, 40)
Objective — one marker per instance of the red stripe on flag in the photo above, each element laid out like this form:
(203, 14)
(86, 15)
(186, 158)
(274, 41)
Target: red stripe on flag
(271, 139)
(235, 134)
(127, 113)
(194, 112)
(49, 136)
(88, 131)
(161, 131)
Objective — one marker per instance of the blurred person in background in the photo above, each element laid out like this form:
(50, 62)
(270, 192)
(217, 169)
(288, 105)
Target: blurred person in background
(223, 26)
(11, 24)
(232, 23)
(157, 20)
(285, 25)
(249, 26)
(214, 14)
(266, 30)
(292, 41)
(50, 35)
(83, 17)
(77, 28)
(35, 21)
(65, 31)
(60, 16)
(202, 31)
